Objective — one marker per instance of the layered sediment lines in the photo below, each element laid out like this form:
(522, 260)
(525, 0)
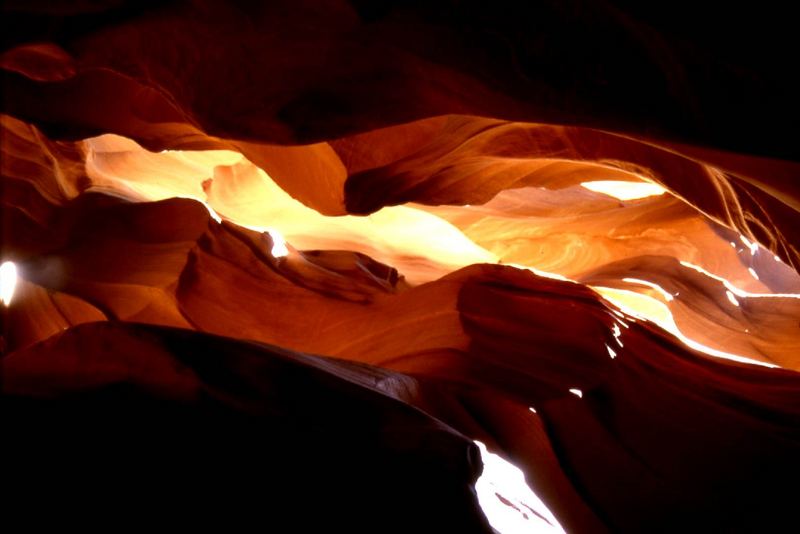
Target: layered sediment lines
(323, 220)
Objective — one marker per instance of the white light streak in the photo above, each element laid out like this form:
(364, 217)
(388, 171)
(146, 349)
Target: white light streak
(735, 290)
(663, 292)
(279, 249)
(665, 320)
(521, 511)
(617, 333)
(625, 190)
(213, 213)
(8, 281)
(749, 244)
(543, 274)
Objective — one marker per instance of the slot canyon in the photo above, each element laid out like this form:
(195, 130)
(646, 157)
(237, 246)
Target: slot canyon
(400, 266)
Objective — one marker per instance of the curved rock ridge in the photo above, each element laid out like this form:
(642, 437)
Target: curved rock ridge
(647, 410)
(492, 340)
(569, 230)
(265, 248)
(238, 429)
(681, 111)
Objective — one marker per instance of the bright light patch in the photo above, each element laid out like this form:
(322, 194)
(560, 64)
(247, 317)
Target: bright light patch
(749, 244)
(421, 245)
(8, 281)
(753, 273)
(578, 393)
(617, 333)
(637, 304)
(508, 502)
(735, 290)
(664, 293)
(645, 307)
(543, 274)
(731, 297)
(625, 190)
(611, 352)
(279, 249)
(212, 212)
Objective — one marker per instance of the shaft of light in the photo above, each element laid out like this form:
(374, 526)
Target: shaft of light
(8, 281)
(279, 249)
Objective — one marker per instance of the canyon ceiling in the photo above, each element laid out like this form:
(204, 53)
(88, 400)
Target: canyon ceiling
(347, 254)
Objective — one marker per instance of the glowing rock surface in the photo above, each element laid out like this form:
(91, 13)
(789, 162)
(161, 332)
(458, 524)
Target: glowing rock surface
(280, 246)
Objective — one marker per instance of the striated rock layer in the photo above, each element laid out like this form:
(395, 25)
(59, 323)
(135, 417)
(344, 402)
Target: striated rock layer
(317, 248)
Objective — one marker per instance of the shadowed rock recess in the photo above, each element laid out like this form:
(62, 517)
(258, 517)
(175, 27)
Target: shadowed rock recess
(332, 264)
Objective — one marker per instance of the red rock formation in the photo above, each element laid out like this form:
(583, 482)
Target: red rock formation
(200, 195)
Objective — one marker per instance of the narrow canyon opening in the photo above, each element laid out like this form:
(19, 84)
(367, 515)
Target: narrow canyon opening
(413, 267)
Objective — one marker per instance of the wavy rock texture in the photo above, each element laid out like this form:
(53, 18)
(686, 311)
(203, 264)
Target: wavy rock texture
(283, 249)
